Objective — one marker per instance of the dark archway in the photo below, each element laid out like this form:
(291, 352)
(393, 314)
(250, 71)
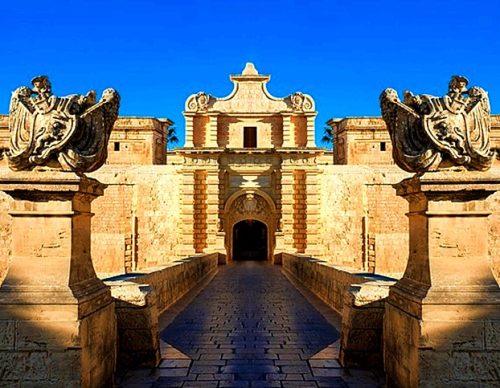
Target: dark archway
(250, 240)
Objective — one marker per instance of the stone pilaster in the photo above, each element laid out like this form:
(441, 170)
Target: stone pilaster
(288, 131)
(211, 131)
(213, 208)
(187, 212)
(312, 212)
(284, 240)
(311, 118)
(57, 319)
(442, 319)
(189, 130)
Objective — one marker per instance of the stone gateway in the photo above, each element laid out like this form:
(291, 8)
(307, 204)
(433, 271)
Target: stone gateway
(394, 236)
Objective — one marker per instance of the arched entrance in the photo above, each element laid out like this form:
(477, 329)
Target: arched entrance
(250, 240)
(250, 213)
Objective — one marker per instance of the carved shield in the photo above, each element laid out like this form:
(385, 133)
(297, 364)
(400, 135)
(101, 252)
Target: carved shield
(459, 129)
(46, 128)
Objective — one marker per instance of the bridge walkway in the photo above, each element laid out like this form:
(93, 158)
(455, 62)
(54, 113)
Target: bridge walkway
(250, 327)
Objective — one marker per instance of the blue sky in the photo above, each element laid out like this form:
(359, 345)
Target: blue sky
(156, 53)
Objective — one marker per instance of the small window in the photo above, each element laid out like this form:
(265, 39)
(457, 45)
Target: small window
(250, 137)
(117, 146)
(382, 146)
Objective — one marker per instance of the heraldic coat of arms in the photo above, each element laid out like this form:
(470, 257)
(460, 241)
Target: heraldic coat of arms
(431, 133)
(65, 133)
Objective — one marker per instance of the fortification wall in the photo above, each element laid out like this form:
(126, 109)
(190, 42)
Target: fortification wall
(136, 222)
(5, 230)
(362, 221)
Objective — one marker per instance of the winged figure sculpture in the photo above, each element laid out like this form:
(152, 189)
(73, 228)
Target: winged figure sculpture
(432, 133)
(65, 133)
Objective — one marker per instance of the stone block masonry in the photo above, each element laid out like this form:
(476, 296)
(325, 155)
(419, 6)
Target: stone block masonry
(441, 316)
(200, 211)
(299, 211)
(57, 318)
(140, 298)
(140, 222)
(360, 222)
(358, 297)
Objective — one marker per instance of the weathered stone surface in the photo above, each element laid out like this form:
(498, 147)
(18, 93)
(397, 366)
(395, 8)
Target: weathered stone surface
(145, 229)
(330, 283)
(430, 133)
(362, 324)
(64, 133)
(7, 334)
(440, 316)
(476, 366)
(61, 314)
(138, 305)
(492, 334)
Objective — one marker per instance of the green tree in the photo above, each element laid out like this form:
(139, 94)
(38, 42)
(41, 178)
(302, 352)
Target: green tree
(171, 137)
(328, 137)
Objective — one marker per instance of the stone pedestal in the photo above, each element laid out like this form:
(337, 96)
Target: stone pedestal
(442, 319)
(57, 319)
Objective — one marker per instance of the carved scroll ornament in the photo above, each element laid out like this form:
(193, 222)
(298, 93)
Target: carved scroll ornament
(432, 133)
(198, 102)
(301, 102)
(64, 133)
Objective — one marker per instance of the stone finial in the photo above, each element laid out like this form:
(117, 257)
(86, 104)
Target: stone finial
(63, 133)
(249, 69)
(433, 133)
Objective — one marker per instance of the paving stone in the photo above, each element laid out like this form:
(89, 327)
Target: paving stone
(295, 369)
(175, 363)
(324, 364)
(170, 372)
(250, 327)
(204, 369)
(328, 372)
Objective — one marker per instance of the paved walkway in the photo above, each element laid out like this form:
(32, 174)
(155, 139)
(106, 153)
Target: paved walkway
(250, 327)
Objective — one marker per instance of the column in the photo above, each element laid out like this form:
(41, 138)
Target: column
(442, 318)
(57, 318)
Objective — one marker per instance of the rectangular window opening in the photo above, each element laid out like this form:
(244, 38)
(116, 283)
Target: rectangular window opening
(382, 146)
(250, 137)
(117, 146)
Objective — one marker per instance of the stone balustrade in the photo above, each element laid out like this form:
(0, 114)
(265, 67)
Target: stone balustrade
(328, 282)
(359, 297)
(142, 297)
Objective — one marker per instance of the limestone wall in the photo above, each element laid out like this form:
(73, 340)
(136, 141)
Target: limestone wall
(386, 226)
(141, 297)
(5, 229)
(362, 221)
(494, 241)
(136, 222)
(328, 282)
